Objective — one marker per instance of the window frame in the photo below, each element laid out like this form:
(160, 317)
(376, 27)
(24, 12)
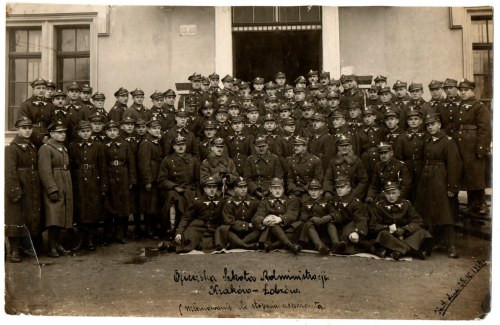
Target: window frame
(60, 54)
(488, 46)
(276, 18)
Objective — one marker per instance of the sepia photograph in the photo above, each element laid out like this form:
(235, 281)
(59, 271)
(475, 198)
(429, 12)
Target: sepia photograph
(286, 160)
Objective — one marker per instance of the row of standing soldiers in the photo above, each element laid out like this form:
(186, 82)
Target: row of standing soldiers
(241, 128)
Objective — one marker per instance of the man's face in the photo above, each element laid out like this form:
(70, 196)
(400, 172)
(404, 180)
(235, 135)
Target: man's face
(84, 133)
(380, 83)
(416, 94)
(122, 99)
(214, 82)
(138, 100)
(466, 93)
(269, 125)
(307, 113)
(272, 105)
(435, 93)
(345, 149)
(400, 92)
(210, 190)
(354, 112)
(392, 195)
(58, 101)
(141, 129)
(318, 124)
(289, 128)
(333, 102)
(73, 94)
(313, 78)
(112, 133)
(48, 92)
(322, 102)
(386, 155)
(299, 148)
(280, 81)
(289, 93)
(369, 119)
(433, 127)
(210, 133)
(247, 102)
(451, 91)
(276, 191)
(324, 81)
(338, 122)
(299, 96)
(314, 92)
(228, 85)
(196, 84)
(348, 84)
(315, 193)
(222, 99)
(205, 87)
(414, 122)
(261, 149)
(99, 103)
(128, 127)
(343, 190)
(59, 136)
(85, 96)
(221, 117)
(237, 127)
(39, 90)
(170, 100)
(285, 114)
(180, 148)
(233, 110)
(97, 126)
(218, 150)
(391, 122)
(241, 191)
(385, 97)
(191, 108)
(236, 88)
(372, 94)
(258, 87)
(25, 131)
(207, 111)
(253, 116)
(181, 120)
(155, 131)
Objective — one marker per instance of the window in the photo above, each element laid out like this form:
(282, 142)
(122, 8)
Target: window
(73, 56)
(24, 66)
(482, 55)
(245, 16)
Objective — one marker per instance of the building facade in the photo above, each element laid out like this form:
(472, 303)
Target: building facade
(155, 47)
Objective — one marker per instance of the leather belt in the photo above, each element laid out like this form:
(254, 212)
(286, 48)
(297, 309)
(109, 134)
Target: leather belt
(61, 168)
(86, 166)
(434, 162)
(33, 167)
(116, 163)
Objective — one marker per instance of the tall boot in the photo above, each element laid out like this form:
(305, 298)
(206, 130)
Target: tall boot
(52, 234)
(121, 225)
(337, 246)
(251, 237)
(450, 237)
(60, 249)
(318, 244)
(282, 237)
(108, 232)
(15, 257)
(236, 241)
(91, 231)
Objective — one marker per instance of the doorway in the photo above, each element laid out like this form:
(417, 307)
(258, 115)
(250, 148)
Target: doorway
(262, 54)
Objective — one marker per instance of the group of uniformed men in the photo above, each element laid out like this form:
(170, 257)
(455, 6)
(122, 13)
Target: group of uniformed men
(321, 164)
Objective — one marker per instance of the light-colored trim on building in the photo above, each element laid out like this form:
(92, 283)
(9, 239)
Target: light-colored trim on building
(223, 41)
(331, 41)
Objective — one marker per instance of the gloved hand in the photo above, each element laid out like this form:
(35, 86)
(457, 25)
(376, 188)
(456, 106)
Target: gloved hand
(54, 197)
(316, 221)
(148, 187)
(178, 239)
(399, 232)
(16, 199)
(354, 237)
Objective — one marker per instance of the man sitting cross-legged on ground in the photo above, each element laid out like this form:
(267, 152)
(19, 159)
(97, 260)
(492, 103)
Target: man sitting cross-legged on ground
(398, 227)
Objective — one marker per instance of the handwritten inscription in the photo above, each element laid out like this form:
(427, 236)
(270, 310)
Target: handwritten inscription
(461, 284)
(271, 282)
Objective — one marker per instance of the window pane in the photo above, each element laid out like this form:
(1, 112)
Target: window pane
(480, 58)
(289, 14)
(263, 14)
(34, 40)
(33, 69)
(68, 69)
(490, 31)
(478, 31)
(82, 69)
(20, 69)
(68, 42)
(82, 39)
(20, 93)
(483, 88)
(310, 14)
(242, 14)
(20, 41)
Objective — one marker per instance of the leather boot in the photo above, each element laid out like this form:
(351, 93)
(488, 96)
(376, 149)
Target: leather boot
(313, 235)
(15, 257)
(293, 248)
(452, 251)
